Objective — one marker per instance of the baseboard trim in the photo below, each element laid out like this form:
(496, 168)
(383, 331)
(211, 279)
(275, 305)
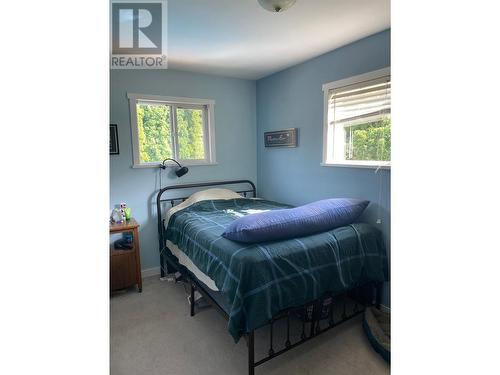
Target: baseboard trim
(148, 272)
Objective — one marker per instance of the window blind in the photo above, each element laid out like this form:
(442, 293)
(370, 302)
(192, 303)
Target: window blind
(360, 102)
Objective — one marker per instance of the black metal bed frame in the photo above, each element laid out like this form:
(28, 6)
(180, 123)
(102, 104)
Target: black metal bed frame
(316, 316)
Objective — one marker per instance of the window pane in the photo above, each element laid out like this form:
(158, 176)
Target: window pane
(155, 135)
(190, 133)
(369, 141)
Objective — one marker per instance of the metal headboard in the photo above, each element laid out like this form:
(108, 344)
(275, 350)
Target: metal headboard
(172, 201)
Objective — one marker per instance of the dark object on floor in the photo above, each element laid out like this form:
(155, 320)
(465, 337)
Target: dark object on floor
(377, 326)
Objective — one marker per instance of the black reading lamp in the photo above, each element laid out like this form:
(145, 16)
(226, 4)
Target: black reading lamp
(181, 171)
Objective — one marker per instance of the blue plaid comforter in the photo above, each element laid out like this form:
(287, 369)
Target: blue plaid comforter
(263, 279)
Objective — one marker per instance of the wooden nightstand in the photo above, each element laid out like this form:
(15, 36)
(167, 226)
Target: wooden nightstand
(125, 265)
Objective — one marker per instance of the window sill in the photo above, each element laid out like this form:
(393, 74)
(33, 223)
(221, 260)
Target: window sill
(184, 164)
(357, 164)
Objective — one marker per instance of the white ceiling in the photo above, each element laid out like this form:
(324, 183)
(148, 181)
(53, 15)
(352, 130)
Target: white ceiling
(238, 38)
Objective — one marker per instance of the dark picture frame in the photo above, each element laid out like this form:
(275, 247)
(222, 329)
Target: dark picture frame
(281, 138)
(114, 148)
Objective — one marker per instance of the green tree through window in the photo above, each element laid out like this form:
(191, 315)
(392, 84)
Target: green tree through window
(154, 131)
(156, 137)
(369, 141)
(190, 133)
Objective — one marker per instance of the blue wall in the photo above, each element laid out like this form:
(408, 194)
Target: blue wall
(245, 110)
(294, 98)
(235, 119)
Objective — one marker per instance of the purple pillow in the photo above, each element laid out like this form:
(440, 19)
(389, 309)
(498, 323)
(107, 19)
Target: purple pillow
(295, 222)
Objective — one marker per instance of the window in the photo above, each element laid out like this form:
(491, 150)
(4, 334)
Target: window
(168, 127)
(357, 130)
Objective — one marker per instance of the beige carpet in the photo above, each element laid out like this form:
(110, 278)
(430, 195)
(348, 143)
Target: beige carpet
(152, 333)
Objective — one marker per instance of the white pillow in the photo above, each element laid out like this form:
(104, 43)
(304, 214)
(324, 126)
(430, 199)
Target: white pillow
(203, 195)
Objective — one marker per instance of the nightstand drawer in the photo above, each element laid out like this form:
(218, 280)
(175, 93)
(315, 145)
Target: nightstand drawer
(122, 269)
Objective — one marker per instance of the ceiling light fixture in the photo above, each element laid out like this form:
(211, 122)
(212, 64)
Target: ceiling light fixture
(276, 6)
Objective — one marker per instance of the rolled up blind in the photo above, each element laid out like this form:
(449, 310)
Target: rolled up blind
(361, 102)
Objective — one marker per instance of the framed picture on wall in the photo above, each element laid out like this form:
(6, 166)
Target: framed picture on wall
(281, 138)
(114, 149)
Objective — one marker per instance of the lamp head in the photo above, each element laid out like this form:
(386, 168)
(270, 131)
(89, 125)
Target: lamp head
(181, 171)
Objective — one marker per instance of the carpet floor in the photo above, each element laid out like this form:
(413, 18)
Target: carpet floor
(152, 333)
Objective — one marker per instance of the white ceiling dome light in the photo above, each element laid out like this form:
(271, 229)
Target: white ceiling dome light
(276, 5)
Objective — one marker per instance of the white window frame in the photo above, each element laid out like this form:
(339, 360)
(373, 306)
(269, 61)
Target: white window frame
(209, 127)
(329, 131)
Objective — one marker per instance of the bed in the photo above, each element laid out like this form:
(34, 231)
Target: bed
(255, 285)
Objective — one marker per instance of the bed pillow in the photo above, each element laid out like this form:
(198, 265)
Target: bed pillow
(208, 194)
(300, 221)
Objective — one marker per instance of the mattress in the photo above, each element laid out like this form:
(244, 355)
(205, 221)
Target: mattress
(260, 280)
(183, 259)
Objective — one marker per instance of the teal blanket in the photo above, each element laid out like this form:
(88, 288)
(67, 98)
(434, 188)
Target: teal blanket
(263, 279)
